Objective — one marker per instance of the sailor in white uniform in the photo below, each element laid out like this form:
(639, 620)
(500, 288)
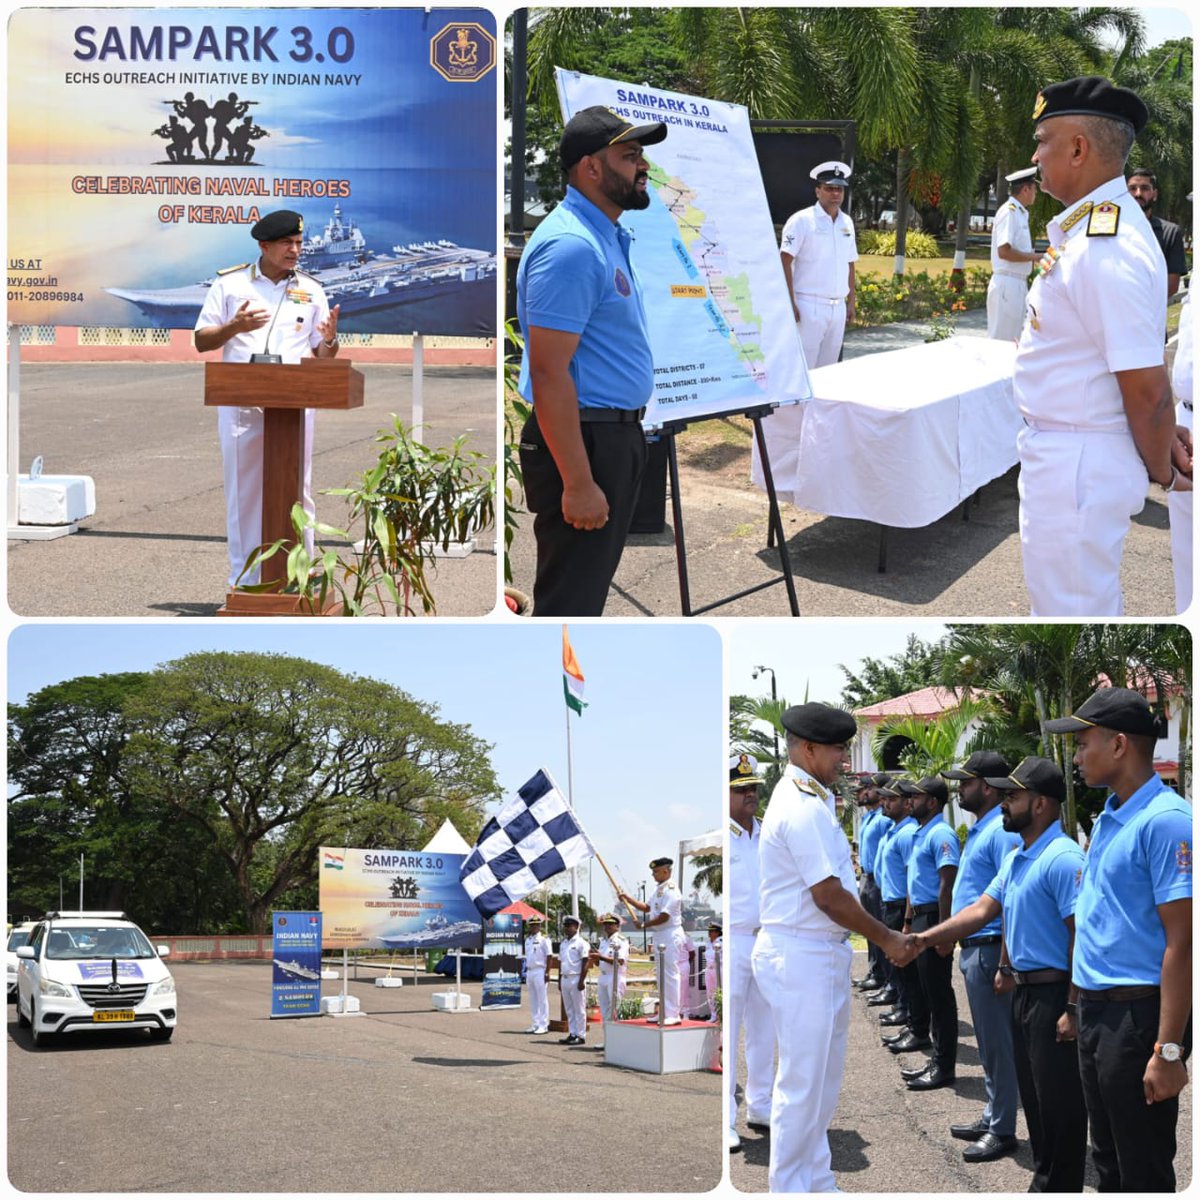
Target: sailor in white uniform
(612, 955)
(1013, 257)
(808, 906)
(537, 972)
(745, 1010)
(1179, 503)
(1090, 379)
(665, 921)
(572, 971)
(266, 306)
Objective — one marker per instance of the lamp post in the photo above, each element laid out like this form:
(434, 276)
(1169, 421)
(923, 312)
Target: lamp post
(774, 700)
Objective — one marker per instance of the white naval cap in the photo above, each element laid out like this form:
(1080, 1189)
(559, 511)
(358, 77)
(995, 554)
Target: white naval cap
(1021, 176)
(832, 174)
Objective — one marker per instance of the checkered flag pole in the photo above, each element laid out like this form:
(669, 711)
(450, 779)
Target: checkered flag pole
(533, 837)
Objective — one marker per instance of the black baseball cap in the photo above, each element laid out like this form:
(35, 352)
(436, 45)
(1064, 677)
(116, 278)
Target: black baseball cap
(930, 785)
(980, 765)
(592, 129)
(1120, 709)
(1033, 774)
(820, 723)
(1091, 96)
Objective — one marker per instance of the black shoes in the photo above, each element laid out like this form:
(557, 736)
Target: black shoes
(907, 1073)
(932, 1077)
(888, 996)
(971, 1132)
(571, 1040)
(894, 1018)
(908, 1042)
(989, 1146)
(868, 983)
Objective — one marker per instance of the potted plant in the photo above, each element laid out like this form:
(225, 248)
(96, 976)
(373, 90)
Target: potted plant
(415, 500)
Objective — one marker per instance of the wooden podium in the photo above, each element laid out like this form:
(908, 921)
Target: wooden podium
(283, 391)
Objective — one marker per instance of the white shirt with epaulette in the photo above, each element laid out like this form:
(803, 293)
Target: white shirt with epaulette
(296, 305)
(616, 947)
(802, 845)
(1011, 228)
(666, 899)
(742, 882)
(572, 954)
(537, 951)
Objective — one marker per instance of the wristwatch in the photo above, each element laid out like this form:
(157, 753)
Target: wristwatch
(1169, 486)
(1005, 970)
(1169, 1051)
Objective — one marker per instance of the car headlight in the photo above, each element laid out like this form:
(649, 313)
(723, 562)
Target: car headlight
(47, 987)
(165, 988)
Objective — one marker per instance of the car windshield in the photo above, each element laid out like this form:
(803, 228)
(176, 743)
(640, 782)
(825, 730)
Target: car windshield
(98, 941)
(18, 937)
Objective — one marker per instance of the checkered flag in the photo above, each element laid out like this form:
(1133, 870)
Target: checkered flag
(534, 836)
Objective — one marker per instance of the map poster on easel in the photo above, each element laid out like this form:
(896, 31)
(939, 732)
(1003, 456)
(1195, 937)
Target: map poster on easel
(721, 326)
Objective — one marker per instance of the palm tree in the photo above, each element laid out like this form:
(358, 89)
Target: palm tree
(709, 873)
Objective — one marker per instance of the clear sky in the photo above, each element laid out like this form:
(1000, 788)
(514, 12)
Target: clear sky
(647, 754)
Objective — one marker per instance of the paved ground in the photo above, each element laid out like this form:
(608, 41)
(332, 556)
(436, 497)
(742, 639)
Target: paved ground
(887, 1139)
(404, 1099)
(949, 569)
(156, 546)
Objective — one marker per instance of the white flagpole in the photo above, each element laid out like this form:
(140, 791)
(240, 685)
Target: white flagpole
(570, 795)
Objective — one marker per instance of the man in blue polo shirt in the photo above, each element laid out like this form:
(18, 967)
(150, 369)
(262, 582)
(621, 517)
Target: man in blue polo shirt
(891, 868)
(988, 844)
(586, 368)
(1035, 891)
(932, 868)
(1133, 953)
(870, 830)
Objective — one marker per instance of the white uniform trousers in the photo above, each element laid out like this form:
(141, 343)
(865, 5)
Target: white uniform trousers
(747, 1012)
(1006, 298)
(604, 993)
(1079, 492)
(806, 982)
(539, 1002)
(1179, 509)
(822, 326)
(240, 431)
(575, 1003)
(672, 981)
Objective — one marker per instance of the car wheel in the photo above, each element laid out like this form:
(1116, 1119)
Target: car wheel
(22, 1019)
(162, 1033)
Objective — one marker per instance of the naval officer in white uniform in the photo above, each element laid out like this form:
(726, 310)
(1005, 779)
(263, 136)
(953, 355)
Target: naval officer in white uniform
(612, 955)
(266, 306)
(665, 922)
(1013, 257)
(808, 906)
(537, 972)
(1090, 379)
(1179, 503)
(573, 954)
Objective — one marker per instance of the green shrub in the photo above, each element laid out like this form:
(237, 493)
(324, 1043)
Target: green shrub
(917, 245)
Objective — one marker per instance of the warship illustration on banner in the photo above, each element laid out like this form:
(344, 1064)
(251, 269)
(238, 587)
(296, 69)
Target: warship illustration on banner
(359, 279)
(438, 931)
(296, 970)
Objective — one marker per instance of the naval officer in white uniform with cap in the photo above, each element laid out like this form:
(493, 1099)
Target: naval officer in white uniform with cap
(808, 908)
(1013, 257)
(1090, 379)
(665, 922)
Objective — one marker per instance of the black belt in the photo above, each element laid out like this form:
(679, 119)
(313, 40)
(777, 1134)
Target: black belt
(989, 939)
(1042, 975)
(919, 910)
(1143, 992)
(612, 416)
(892, 905)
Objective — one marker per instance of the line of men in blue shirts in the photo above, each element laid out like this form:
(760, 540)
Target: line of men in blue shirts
(1077, 968)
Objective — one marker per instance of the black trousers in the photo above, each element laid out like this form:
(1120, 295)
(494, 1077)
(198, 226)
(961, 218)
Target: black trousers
(868, 893)
(1051, 1095)
(898, 977)
(1133, 1143)
(576, 566)
(935, 975)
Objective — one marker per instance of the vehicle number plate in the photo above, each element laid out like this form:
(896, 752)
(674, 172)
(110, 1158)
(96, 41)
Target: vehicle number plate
(113, 1014)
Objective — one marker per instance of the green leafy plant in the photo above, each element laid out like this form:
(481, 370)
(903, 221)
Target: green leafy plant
(630, 1008)
(516, 413)
(415, 500)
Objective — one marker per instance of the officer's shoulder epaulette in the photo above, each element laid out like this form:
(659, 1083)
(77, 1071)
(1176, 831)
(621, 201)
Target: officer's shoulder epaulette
(230, 270)
(1103, 219)
(806, 787)
(306, 275)
(735, 829)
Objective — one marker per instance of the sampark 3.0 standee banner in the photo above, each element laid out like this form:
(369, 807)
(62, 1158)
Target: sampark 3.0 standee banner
(395, 900)
(143, 145)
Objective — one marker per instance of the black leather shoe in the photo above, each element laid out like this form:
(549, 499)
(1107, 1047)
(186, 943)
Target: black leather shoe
(887, 996)
(868, 983)
(569, 1040)
(890, 1039)
(988, 1147)
(934, 1077)
(908, 1042)
(907, 1073)
(971, 1132)
(893, 1018)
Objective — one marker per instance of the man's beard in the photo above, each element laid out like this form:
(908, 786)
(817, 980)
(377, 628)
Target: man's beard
(625, 196)
(1014, 824)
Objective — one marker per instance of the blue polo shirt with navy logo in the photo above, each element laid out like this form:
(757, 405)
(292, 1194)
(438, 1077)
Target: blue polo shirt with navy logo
(935, 846)
(891, 860)
(1036, 887)
(575, 276)
(870, 833)
(988, 845)
(1140, 857)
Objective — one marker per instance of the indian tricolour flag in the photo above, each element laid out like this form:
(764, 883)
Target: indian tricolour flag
(572, 677)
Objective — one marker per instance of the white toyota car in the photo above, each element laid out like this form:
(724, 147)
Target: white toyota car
(83, 971)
